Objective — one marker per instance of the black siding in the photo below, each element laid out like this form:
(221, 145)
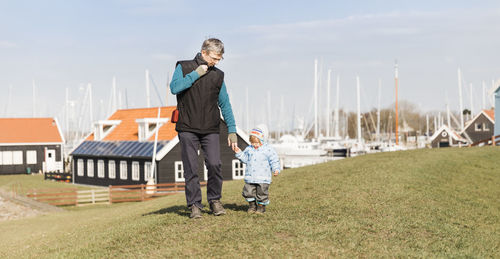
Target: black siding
(40, 157)
(476, 136)
(106, 181)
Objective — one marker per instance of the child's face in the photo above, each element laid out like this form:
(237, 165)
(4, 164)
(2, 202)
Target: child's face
(255, 141)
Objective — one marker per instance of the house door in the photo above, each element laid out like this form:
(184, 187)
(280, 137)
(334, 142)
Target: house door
(50, 160)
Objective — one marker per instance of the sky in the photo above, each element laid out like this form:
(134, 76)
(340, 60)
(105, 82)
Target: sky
(270, 50)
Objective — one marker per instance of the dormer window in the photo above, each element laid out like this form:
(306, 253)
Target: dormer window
(478, 126)
(147, 127)
(103, 127)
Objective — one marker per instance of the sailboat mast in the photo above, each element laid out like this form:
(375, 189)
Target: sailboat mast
(460, 100)
(378, 109)
(359, 109)
(337, 120)
(397, 113)
(148, 97)
(328, 112)
(471, 104)
(316, 98)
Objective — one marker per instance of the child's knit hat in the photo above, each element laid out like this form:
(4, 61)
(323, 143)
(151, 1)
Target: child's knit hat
(260, 132)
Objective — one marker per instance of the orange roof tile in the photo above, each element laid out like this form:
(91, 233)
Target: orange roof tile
(29, 130)
(490, 113)
(128, 127)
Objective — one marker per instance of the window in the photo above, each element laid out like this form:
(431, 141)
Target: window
(485, 127)
(179, 171)
(478, 126)
(147, 171)
(1, 157)
(31, 157)
(123, 170)
(100, 168)
(79, 167)
(111, 169)
(17, 157)
(90, 168)
(7, 157)
(135, 171)
(238, 169)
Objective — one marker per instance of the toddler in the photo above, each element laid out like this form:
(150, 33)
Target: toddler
(260, 159)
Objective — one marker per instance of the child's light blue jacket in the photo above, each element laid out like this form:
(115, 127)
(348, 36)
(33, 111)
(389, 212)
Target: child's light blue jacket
(260, 163)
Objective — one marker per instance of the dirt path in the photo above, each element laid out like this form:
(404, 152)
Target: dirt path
(20, 207)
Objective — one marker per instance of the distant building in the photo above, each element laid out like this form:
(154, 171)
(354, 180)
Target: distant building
(481, 127)
(30, 144)
(120, 151)
(446, 137)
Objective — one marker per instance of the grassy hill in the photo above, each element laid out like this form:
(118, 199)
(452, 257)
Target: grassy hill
(418, 203)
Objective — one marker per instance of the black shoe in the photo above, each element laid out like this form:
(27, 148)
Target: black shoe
(260, 209)
(195, 212)
(252, 207)
(217, 208)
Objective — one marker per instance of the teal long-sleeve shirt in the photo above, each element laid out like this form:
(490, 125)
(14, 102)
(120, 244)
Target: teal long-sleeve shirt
(181, 83)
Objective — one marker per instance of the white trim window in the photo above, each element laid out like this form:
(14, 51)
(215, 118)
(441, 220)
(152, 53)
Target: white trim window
(135, 171)
(478, 126)
(112, 169)
(147, 171)
(90, 167)
(179, 171)
(7, 157)
(238, 169)
(17, 157)
(100, 168)
(79, 167)
(485, 127)
(123, 170)
(31, 157)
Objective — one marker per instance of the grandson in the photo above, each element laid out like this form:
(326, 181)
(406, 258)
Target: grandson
(260, 159)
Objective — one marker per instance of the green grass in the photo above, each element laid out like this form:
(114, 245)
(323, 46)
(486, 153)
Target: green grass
(422, 203)
(24, 183)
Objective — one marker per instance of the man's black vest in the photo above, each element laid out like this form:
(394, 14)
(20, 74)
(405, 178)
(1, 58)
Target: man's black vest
(198, 105)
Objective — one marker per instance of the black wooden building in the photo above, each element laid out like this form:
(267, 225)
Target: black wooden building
(30, 145)
(111, 155)
(446, 137)
(481, 127)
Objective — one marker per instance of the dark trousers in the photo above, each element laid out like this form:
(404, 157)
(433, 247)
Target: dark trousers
(190, 144)
(258, 192)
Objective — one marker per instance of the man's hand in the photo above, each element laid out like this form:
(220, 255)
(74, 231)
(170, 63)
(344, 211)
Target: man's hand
(232, 140)
(276, 173)
(201, 70)
(236, 149)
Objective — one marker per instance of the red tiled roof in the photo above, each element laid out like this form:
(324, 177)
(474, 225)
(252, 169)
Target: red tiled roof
(29, 130)
(490, 113)
(128, 127)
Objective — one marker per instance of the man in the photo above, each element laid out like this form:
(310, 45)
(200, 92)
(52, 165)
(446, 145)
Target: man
(201, 92)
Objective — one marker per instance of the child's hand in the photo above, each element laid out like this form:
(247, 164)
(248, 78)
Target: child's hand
(236, 149)
(276, 173)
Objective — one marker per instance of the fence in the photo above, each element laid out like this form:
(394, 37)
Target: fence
(113, 194)
(490, 141)
(64, 196)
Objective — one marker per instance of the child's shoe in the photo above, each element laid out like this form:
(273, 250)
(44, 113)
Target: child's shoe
(260, 209)
(252, 207)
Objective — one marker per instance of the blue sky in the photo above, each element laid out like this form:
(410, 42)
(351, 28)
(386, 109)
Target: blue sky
(270, 49)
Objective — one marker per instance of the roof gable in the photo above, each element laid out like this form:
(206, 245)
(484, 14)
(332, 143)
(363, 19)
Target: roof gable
(489, 114)
(450, 132)
(128, 128)
(30, 130)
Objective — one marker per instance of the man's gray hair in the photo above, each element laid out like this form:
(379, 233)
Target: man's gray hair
(213, 45)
